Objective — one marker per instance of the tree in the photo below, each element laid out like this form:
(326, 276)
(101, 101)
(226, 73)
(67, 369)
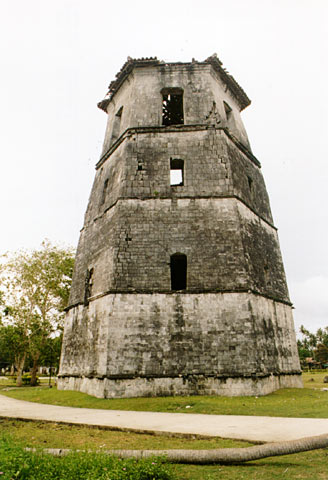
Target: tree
(35, 290)
(222, 455)
(304, 350)
(322, 336)
(321, 353)
(313, 345)
(13, 346)
(14, 334)
(50, 354)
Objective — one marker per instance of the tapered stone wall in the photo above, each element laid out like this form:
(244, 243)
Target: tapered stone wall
(230, 330)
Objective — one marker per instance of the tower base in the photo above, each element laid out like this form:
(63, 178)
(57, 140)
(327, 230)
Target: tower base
(189, 385)
(160, 344)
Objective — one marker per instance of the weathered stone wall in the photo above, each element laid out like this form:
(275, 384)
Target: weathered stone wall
(142, 344)
(190, 385)
(230, 331)
(141, 98)
(227, 248)
(214, 165)
(131, 210)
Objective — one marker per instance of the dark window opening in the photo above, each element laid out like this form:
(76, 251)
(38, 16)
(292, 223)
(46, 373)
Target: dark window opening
(104, 192)
(139, 166)
(172, 113)
(250, 183)
(117, 125)
(176, 172)
(88, 286)
(178, 266)
(267, 276)
(228, 110)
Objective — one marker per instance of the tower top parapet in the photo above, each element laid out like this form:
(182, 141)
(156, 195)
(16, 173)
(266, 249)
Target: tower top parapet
(213, 60)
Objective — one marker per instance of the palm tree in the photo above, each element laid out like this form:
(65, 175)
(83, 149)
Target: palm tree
(223, 455)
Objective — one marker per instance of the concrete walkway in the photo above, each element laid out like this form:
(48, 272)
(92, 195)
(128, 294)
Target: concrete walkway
(259, 429)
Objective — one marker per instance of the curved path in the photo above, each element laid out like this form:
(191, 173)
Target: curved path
(258, 429)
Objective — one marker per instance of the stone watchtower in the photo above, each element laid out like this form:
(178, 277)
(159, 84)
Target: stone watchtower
(179, 286)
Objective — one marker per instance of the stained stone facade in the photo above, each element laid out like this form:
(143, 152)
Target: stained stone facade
(179, 285)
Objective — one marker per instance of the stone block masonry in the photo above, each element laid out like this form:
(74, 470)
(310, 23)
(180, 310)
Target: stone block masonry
(179, 287)
(171, 344)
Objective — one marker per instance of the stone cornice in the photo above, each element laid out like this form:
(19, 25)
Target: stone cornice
(175, 129)
(213, 60)
(223, 376)
(135, 291)
(182, 197)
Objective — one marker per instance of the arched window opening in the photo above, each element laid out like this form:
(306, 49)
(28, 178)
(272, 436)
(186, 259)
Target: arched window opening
(176, 172)
(178, 271)
(172, 112)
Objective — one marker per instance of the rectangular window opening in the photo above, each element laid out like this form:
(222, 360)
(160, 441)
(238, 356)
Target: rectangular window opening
(176, 172)
(172, 113)
(228, 110)
(267, 275)
(178, 266)
(117, 125)
(88, 286)
(104, 192)
(250, 183)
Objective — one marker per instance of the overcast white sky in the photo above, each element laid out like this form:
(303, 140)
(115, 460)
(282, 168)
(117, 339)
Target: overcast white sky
(58, 57)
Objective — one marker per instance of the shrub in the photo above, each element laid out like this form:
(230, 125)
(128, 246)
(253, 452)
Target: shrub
(26, 378)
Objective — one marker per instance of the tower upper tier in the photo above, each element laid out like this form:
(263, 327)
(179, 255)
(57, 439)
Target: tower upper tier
(149, 92)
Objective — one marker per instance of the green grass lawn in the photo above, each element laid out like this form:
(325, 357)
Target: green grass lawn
(307, 466)
(17, 463)
(9, 382)
(309, 402)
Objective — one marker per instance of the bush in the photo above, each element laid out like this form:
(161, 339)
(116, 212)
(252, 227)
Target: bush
(26, 378)
(16, 463)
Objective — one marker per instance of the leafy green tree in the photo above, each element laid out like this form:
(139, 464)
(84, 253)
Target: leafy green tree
(321, 353)
(303, 350)
(310, 339)
(13, 345)
(313, 345)
(14, 334)
(50, 354)
(322, 336)
(35, 289)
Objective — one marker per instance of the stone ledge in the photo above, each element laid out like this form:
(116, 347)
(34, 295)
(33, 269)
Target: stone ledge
(175, 129)
(189, 377)
(132, 291)
(181, 197)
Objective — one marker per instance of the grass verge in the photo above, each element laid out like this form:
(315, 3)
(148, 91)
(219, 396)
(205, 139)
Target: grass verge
(16, 463)
(310, 402)
(305, 466)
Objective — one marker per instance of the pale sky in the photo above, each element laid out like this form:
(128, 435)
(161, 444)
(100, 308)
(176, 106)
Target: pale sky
(58, 57)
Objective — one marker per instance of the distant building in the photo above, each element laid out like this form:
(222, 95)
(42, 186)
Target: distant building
(179, 286)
